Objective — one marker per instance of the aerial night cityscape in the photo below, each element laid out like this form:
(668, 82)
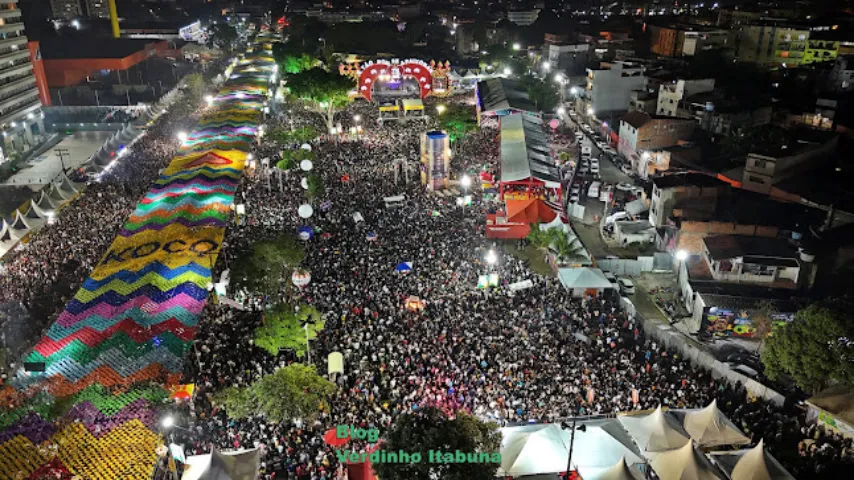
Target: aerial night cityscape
(426, 240)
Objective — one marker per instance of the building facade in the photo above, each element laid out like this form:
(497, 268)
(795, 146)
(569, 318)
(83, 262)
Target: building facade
(670, 95)
(820, 51)
(642, 135)
(771, 45)
(98, 8)
(572, 59)
(20, 107)
(66, 9)
(684, 41)
(609, 88)
(523, 17)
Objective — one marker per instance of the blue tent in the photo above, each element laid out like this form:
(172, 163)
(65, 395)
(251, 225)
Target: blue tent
(403, 267)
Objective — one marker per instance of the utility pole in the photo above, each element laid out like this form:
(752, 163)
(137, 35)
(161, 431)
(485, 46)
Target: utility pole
(62, 153)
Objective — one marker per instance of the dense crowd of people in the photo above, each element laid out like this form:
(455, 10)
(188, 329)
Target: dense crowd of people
(538, 355)
(534, 355)
(44, 273)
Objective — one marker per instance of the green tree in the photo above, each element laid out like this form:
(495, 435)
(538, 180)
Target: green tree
(429, 430)
(327, 91)
(316, 188)
(222, 35)
(195, 83)
(544, 94)
(294, 391)
(282, 329)
(458, 120)
(557, 242)
(270, 263)
(814, 348)
(297, 63)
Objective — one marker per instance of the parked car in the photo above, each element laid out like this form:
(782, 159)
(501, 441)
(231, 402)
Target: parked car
(605, 193)
(593, 191)
(594, 169)
(573, 198)
(616, 216)
(625, 187)
(601, 144)
(626, 168)
(594, 161)
(612, 279)
(583, 170)
(627, 287)
(609, 150)
(576, 189)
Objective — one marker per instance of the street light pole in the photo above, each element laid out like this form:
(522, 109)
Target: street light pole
(582, 428)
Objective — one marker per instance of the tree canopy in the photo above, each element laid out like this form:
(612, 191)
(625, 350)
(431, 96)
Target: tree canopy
(543, 93)
(458, 120)
(265, 268)
(326, 90)
(556, 241)
(429, 429)
(282, 329)
(294, 391)
(815, 349)
(222, 35)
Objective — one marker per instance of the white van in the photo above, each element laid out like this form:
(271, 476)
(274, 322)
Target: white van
(593, 191)
(586, 149)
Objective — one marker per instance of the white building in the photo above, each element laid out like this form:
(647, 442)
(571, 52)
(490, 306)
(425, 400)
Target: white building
(610, 87)
(570, 59)
(523, 17)
(20, 107)
(671, 94)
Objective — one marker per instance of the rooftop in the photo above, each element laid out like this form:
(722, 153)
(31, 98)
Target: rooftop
(636, 119)
(688, 179)
(724, 247)
(64, 48)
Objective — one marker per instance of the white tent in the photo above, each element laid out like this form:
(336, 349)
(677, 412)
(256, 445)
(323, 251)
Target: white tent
(710, 428)
(601, 445)
(751, 464)
(655, 432)
(539, 449)
(45, 203)
(240, 465)
(684, 463)
(533, 449)
(620, 471)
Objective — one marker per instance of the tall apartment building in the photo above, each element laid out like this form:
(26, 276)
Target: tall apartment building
(771, 45)
(66, 9)
(98, 8)
(671, 94)
(609, 87)
(20, 108)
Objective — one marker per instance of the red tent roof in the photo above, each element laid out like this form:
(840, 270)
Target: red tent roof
(529, 211)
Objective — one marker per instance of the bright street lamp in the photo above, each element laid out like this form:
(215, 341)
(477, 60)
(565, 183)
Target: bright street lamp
(465, 181)
(681, 255)
(168, 422)
(589, 110)
(491, 257)
(561, 111)
(182, 136)
(547, 66)
(357, 118)
(573, 90)
(508, 71)
(516, 46)
(440, 109)
(646, 155)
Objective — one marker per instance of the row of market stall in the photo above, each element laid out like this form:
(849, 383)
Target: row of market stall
(695, 444)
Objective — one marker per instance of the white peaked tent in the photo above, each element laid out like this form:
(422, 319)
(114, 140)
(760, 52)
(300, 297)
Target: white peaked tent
(57, 195)
(20, 224)
(684, 463)
(532, 450)
(655, 432)
(620, 471)
(601, 445)
(44, 202)
(710, 428)
(67, 185)
(35, 212)
(241, 465)
(751, 464)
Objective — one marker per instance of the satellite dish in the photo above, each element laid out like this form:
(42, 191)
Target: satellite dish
(306, 165)
(304, 183)
(306, 146)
